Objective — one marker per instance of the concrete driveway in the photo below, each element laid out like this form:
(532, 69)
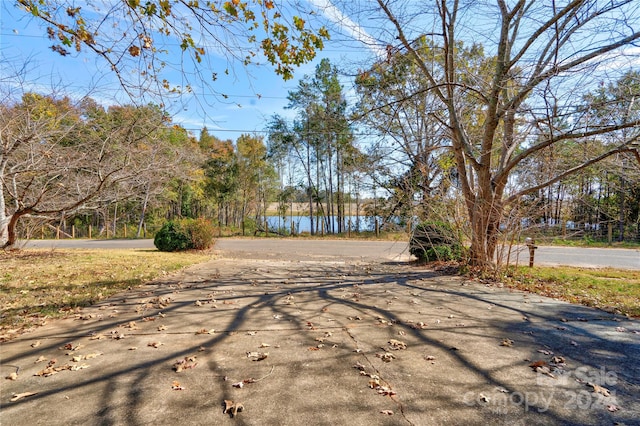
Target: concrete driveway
(323, 340)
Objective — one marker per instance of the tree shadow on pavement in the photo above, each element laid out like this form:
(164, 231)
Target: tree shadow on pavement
(343, 343)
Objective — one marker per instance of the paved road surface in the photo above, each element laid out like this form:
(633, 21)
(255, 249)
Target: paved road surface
(574, 256)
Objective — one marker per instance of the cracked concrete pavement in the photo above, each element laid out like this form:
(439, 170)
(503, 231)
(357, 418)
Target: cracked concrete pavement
(345, 339)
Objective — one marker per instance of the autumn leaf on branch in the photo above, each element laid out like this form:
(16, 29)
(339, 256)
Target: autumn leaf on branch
(244, 30)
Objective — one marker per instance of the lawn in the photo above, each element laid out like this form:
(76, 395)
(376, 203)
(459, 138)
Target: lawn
(36, 285)
(609, 289)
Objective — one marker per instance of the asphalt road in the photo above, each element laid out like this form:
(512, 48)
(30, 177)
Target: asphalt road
(390, 250)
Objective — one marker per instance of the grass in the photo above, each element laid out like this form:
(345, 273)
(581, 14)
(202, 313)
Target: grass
(36, 285)
(609, 289)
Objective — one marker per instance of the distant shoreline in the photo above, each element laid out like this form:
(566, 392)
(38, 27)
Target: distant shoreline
(302, 209)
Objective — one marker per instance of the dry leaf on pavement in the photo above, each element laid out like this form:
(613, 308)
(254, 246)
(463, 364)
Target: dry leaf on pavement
(176, 385)
(257, 356)
(17, 396)
(185, 364)
(397, 344)
(232, 408)
(599, 389)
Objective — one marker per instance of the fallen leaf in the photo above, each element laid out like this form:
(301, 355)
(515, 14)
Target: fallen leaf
(232, 408)
(542, 367)
(387, 412)
(238, 385)
(205, 331)
(162, 328)
(197, 303)
(40, 359)
(599, 389)
(78, 367)
(384, 390)
(258, 356)
(133, 348)
(155, 344)
(536, 364)
(36, 344)
(507, 342)
(17, 396)
(419, 325)
(12, 376)
(176, 385)
(386, 357)
(265, 345)
(397, 344)
(430, 358)
(185, 364)
(612, 408)
(98, 337)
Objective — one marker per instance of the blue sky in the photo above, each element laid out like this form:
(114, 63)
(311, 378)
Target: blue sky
(254, 93)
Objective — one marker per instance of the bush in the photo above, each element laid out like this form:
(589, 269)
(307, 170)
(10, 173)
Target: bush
(200, 232)
(184, 234)
(433, 241)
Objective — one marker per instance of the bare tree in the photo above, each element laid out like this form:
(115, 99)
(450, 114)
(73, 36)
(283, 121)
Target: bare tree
(56, 157)
(542, 57)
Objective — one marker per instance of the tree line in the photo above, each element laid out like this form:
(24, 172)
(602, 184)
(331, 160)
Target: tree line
(493, 116)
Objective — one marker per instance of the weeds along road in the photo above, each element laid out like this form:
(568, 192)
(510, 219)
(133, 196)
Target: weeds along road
(301, 250)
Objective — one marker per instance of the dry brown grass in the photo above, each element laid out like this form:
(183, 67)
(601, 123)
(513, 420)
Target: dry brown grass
(36, 285)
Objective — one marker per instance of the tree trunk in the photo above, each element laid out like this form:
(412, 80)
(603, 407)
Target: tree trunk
(143, 212)
(4, 220)
(10, 230)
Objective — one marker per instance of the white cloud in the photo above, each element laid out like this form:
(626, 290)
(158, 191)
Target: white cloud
(346, 24)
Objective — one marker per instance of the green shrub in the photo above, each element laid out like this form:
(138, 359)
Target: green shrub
(171, 237)
(184, 234)
(433, 241)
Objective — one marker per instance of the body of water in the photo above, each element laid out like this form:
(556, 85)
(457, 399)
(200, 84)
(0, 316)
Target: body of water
(303, 223)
